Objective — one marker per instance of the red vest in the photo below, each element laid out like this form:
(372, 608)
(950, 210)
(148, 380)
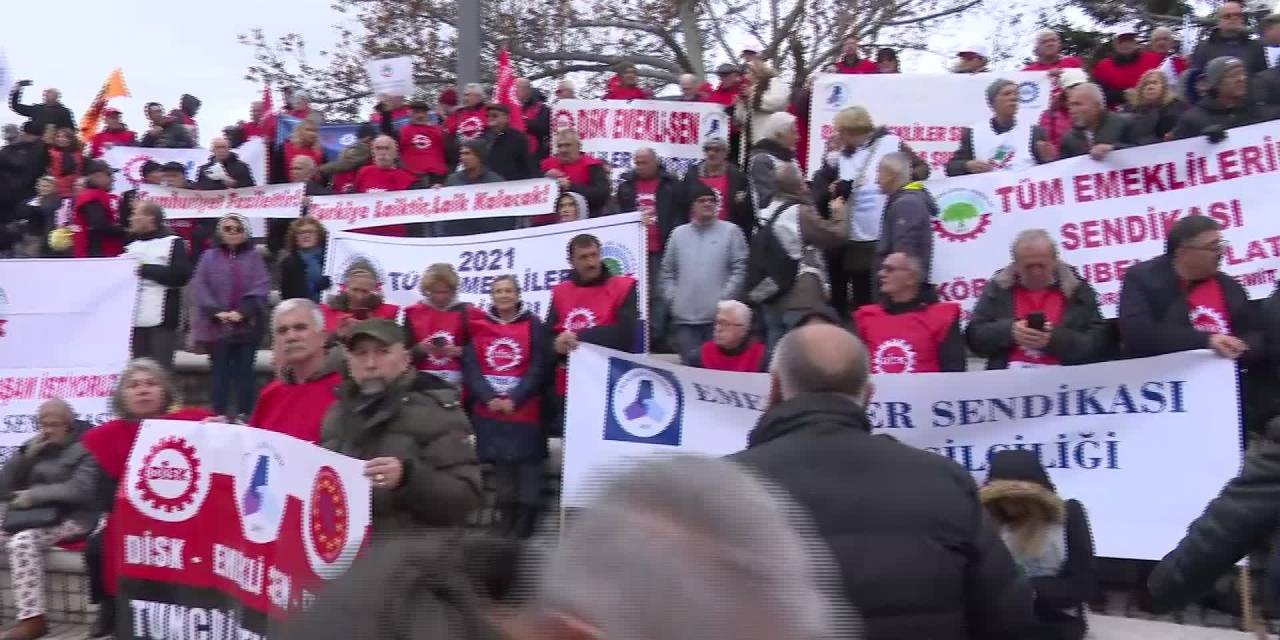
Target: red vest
(296, 409)
(108, 246)
(578, 307)
(1052, 303)
(333, 317)
(504, 352)
(749, 360)
(578, 172)
(468, 123)
(422, 149)
(861, 66)
(1208, 307)
(905, 342)
(428, 323)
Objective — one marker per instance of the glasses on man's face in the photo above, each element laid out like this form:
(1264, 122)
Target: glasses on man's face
(723, 324)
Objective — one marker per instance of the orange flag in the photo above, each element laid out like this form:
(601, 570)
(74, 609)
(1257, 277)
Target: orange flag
(114, 87)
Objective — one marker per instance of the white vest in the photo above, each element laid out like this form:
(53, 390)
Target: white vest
(868, 200)
(1008, 151)
(157, 251)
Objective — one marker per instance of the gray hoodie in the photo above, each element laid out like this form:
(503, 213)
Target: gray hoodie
(702, 265)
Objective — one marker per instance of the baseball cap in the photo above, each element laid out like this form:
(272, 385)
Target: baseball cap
(979, 50)
(1125, 35)
(380, 329)
(110, 111)
(1071, 77)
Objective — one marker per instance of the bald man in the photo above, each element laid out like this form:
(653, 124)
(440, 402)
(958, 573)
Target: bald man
(896, 517)
(224, 170)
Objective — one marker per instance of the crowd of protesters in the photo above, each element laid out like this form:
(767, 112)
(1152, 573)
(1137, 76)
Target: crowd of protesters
(752, 267)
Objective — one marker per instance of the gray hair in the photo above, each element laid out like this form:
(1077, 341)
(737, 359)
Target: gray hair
(689, 548)
(736, 309)
(788, 180)
(142, 365)
(475, 87)
(777, 123)
(646, 150)
(1032, 235)
(1094, 91)
(899, 164)
(821, 359)
(299, 304)
(60, 405)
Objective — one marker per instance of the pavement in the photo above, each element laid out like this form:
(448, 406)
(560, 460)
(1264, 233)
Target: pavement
(1115, 628)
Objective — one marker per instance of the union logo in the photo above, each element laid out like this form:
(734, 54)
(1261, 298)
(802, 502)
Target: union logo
(562, 119)
(894, 356)
(386, 71)
(449, 341)
(470, 128)
(347, 139)
(133, 169)
(1208, 320)
(965, 214)
(618, 258)
(1028, 91)
(421, 141)
(504, 354)
(579, 318)
(328, 517)
(167, 481)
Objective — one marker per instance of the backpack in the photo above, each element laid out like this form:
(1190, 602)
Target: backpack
(770, 270)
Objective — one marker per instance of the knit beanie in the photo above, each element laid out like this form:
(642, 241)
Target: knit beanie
(1217, 69)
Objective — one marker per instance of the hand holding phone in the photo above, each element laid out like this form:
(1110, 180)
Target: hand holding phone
(1035, 321)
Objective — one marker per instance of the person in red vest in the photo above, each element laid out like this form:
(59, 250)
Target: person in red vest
(909, 330)
(296, 401)
(503, 367)
(383, 175)
(1049, 55)
(469, 120)
(256, 125)
(592, 306)
(625, 85)
(731, 347)
(850, 61)
(98, 229)
(436, 327)
(114, 133)
(1121, 70)
(425, 150)
(537, 117)
(576, 171)
(359, 297)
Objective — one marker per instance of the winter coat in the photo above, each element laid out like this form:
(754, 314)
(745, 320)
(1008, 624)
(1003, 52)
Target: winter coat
(1153, 123)
(350, 159)
(173, 135)
(509, 439)
(1266, 87)
(537, 124)
(766, 156)
(40, 113)
(235, 168)
(1239, 45)
(21, 164)
(59, 475)
(221, 275)
(668, 201)
(1209, 112)
(907, 227)
(509, 154)
(1114, 129)
(418, 419)
(741, 212)
(165, 269)
(702, 265)
(293, 277)
(898, 519)
(1080, 337)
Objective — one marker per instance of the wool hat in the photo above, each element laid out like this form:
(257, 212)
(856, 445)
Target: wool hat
(697, 189)
(1217, 69)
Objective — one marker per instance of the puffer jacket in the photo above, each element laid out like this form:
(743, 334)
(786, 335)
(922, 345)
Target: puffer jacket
(63, 475)
(1209, 112)
(916, 552)
(418, 419)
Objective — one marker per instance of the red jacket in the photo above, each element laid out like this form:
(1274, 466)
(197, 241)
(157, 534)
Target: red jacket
(616, 91)
(1064, 62)
(119, 138)
(254, 130)
(296, 408)
(422, 149)
(859, 65)
(726, 96)
(65, 180)
(292, 151)
(1116, 78)
(108, 245)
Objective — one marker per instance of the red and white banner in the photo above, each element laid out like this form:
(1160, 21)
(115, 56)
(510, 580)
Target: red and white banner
(496, 200)
(231, 529)
(129, 160)
(1110, 215)
(270, 201)
(612, 130)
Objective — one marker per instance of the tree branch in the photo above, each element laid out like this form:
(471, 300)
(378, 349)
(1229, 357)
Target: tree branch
(932, 16)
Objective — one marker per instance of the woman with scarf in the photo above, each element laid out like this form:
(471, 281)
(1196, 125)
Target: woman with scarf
(503, 367)
(302, 267)
(229, 311)
(436, 328)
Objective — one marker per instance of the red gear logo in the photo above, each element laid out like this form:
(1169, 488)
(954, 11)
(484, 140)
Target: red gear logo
(579, 318)
(504, 354)
(167, 480)
(2, 323)
(133, 169)
(470, 128)
(421, 141)
(984, 221)
(329, 521)
(894, 356)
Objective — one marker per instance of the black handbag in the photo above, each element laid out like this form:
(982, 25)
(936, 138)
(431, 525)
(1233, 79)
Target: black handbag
(16, 519)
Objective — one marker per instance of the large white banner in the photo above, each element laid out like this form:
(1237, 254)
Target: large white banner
(538, 257)
(1109, 215)
(129, 160)
(613, 129)
(496, 200)
(269, 201)
(927, 111)
(1143, 444)
(22, 391)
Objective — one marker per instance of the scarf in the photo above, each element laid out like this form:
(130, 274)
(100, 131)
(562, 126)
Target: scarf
(313, 266)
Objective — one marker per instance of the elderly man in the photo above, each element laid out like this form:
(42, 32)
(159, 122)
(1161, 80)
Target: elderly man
(1049, 55)
(224, 170)
(165, 132)
(566, 90)
(1120, 71)
(1163, 43)
(850, 60)
(732, 347)
(730, 184)
(1230, 38)
(777, 145)
(1227, 103)
(537, 117)
(295, 402)
(705, 261)
(691, 89)
(410, 429)
(50, 111)
(1181, 300)
(1094, 130)
(1037, 311)
(1003, 143)
(510, 153)
(384, 174)
(908, 214)
(576, 171)
(655, 193)
(303, 170)
(895, 517)
(909, 330)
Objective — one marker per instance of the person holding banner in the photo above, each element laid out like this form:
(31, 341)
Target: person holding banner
(99, 232)
(224, 170)
(578, 172)
(1154, 108)
(1038, 311)
(359, 297)
(1003, 143)
(1096, 131)
(296, 402)
(384, 175)
(1227, 103)
(164, 267)
(910, 330)
(436, 327)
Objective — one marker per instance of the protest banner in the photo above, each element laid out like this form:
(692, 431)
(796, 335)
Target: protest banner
(129, 160)
(613, 129)
(536, 256)
(268, 201)
(334, 136)
(473, 201)
(1109, 215)
(1143, 444)
(64, 333)
(226, 530)
(390, 76)
(909, 106)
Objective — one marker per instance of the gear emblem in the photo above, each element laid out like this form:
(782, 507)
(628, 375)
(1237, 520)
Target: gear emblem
(168, 479)
(449, 341)
(579, 318)
(504, 354)
(1208, 320)
(894, 356)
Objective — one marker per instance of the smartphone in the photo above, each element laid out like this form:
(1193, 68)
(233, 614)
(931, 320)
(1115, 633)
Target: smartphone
(438, 341)
(1036, 321)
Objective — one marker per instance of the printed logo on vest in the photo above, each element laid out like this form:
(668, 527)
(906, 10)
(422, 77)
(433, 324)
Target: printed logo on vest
(1208, 320)
(894, 356)
(964, 214)
(170, 484)
(470, 128)
(348, 139)
(260, 493)
(1004, 156)
(504, 354)
(421, 141)
(579, 318)
(327, 525)
(644, 404)
(449, 341)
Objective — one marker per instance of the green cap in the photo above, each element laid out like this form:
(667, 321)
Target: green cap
(380, 329)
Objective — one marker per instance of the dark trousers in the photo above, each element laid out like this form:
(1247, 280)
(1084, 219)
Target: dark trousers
(93, 565)
(852, 283)
(689, 339)
(519, 482)
(231, 369)
(157, 343)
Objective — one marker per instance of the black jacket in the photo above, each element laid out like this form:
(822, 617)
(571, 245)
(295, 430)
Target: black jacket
(906, 227)
(539, 126)
(1080, 337)
(1242, 46)
(236, 169)
(21, 165)
(1154, 317)
(293, 277)
(668, 202)
(101, 225)
(509, 154)
(1115, 129)
(40, 113)
(1208, 112)
(174, 276)
(1151, 124)
(1265, 87)
(917, 553)
(741, 212)
(620, 335)
(956, 165)
(173, 135)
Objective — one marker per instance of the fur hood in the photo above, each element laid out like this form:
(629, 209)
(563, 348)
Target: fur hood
(1013, 490)
(1065, 278)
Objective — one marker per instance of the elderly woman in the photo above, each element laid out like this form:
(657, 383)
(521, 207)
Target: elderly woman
(504, 370)
(304, 140)
(436, 327)
(49, 487)
(302, 267)
(732, 347)
(145, 390)
(229, 294)
(359, 297)
(1154, 107)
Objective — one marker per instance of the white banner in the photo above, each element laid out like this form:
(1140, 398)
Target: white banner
(496, 200)
(927, 111)
(22, 391)
(1109, 215)
(538, 257)
(613, 129)
(270, 201)
(129, 161)
(390, 76)
(1143, 444)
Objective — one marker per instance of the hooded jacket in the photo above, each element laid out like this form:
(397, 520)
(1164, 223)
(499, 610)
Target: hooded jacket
(916, 552)
(1210, 112)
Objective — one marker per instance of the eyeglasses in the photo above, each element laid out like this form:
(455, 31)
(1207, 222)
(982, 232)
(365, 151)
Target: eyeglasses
(725, 323)
(232, 229)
